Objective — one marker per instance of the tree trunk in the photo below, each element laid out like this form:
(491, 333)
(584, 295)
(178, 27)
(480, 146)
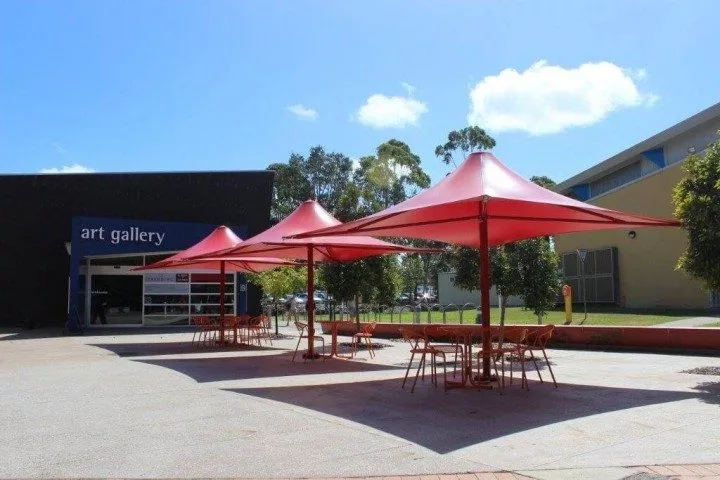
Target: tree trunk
(502, 309)
(539, 319)
(357, 313)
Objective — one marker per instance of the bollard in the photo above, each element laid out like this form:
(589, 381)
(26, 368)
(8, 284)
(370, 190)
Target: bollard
(567, 294)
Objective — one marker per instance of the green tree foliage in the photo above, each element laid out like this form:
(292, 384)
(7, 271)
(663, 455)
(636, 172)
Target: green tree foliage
(543, 181)
(465, 141)
(539, 275)
(504, 271)
(321, 175)
(280, 281)
(290, 188)
(697, 206)
(411, 269)
(389, 177)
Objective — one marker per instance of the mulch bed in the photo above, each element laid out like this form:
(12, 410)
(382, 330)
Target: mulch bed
(703, 371)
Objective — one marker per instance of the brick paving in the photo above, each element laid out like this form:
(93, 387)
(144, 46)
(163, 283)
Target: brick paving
(681, 472)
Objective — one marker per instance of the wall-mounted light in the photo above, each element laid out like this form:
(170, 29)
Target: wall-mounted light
(691, 149)
(632, 234)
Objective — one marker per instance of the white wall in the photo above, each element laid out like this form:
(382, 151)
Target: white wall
(449, 293)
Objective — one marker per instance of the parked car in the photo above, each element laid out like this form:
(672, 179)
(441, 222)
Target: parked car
(320, 302)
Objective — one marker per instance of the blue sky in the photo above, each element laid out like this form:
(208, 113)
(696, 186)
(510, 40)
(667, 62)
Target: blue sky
(236, 85)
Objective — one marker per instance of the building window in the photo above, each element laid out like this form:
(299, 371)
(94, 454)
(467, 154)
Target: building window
(616, 179)
(600, 275)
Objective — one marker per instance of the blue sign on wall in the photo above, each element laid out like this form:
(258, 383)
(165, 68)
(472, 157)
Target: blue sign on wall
(114, 236)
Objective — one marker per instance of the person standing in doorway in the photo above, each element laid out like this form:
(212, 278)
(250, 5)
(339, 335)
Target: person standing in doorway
(99, 306)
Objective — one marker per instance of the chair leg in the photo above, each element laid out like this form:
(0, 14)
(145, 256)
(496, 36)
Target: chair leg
(296, 348)
(412, 356)
(421, 364)
(532, 355)
(547, 362)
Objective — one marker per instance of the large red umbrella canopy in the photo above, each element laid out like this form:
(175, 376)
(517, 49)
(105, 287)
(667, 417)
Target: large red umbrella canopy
(515, 208)
(484, 203)
(221, 238)
(310, 215)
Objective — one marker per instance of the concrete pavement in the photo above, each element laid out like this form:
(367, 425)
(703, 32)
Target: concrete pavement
(141, 404)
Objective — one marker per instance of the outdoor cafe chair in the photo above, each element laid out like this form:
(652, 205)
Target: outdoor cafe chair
(536, 341)
(302, 328)
(455, 346)
(503, 341)
(208, 330)
(257, 330)
(420, 345)
(364, 336)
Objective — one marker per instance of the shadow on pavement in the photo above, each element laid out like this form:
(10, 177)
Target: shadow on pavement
(172, 348)
(710, 392)
(445, 422)
(216, 369)
(53, 332)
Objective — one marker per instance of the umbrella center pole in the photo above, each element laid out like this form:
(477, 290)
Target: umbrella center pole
(310, 306)
(485, 291)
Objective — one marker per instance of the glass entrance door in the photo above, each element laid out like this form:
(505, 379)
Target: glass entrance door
(116, 300)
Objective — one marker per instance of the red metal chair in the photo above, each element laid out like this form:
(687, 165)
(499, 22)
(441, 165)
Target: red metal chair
(420, 345)
(364, 336)
(537, 341)
(302, 327)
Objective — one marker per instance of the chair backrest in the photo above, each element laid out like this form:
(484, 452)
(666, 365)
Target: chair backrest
(515, 334)
(301, 327)
(369, 328)
(413, 336)
(540, 337)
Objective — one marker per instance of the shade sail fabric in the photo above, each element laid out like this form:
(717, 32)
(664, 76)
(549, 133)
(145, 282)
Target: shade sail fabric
(311, 215)
(516, 208)
(232, 264)
(221, 238)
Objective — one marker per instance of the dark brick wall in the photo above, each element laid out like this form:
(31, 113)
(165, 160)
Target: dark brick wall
(36, 213)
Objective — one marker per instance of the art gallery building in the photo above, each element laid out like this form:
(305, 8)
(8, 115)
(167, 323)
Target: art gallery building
(71, 244)
(636, 267)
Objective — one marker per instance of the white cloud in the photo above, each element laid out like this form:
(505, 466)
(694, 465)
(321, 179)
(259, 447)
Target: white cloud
(548, 99)
(302, 112)
(410, 89)
(74, 168)
(380, 111)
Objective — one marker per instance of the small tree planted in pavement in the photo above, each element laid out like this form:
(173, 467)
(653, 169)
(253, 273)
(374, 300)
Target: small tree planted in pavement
(697, 206)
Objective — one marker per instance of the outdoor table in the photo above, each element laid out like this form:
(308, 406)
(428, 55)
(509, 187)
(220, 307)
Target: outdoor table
(465, 335)
(333, 347)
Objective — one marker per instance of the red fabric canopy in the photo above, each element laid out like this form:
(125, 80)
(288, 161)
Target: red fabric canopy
(220, 239)
(516, 209)
(484, 203)
(308, 216)
(311, 216)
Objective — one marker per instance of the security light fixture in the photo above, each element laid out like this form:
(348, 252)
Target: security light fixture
(632, 234)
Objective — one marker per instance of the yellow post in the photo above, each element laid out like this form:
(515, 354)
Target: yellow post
(567, 293)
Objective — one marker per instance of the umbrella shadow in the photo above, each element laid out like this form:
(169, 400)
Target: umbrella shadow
(151, 349)
(467, 417)
(216, 369)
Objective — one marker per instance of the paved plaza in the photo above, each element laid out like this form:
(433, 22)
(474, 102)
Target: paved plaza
(144, 403)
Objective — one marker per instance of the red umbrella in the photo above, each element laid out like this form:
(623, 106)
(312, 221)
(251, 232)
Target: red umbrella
(484, 203)
(220, 238)
(311, 216)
